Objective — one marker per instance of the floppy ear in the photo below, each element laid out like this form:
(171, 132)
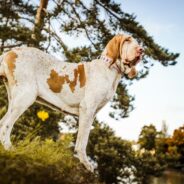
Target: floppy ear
(114, 47)
(132, 73)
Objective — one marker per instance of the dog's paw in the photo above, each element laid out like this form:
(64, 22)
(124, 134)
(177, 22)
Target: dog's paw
(8, 146)
(89, 167)
(84, 160)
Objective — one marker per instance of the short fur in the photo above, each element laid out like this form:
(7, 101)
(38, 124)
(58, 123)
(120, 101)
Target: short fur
(80, 89)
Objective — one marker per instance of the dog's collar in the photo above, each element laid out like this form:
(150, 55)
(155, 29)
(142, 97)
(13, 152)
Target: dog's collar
(119, 67)
(106, 59)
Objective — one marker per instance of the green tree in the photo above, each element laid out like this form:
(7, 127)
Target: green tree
(117, 161)
(112, 154)
(146, 165)
(170, 149)
(161, 142)
(15, 23)
(3, 99)
(147, 137)
(176, 147)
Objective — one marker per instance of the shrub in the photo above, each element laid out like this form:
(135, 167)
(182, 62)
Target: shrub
(42, 162)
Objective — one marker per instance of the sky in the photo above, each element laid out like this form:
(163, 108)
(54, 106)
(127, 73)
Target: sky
(160, 96)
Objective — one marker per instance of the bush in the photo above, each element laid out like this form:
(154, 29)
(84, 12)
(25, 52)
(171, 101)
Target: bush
(42, 162)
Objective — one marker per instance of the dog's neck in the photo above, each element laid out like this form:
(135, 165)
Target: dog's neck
(119, 66)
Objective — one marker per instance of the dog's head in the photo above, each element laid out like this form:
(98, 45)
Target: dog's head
(126, 49)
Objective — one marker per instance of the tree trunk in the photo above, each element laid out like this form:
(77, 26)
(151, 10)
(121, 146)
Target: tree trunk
(39, 22)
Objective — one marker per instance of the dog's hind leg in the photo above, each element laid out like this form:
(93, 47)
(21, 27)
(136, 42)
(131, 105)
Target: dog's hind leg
(22, 99)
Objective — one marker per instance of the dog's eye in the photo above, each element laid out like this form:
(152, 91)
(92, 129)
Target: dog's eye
(128, 40)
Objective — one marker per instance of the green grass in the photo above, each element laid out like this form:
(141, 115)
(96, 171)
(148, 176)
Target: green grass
(42, 162)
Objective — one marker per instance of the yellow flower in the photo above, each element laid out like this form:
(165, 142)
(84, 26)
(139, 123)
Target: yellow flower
(43, 115)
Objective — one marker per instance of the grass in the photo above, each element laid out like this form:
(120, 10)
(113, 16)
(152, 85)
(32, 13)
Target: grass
(42, 162)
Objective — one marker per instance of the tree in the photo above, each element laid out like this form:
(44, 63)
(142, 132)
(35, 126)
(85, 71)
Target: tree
(147, 165)
(147, 137)
(15, 23)
(177, 142)
(161, 140)
(117, 161)
(39, 22)
(169, 149)
(178, 136)
(112, 154)
(3, 100)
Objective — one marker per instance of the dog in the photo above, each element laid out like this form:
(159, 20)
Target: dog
(81, 89)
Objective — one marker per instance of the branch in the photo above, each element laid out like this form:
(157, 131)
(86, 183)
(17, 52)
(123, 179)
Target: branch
(103, 6)
(86, 31)
(39, 22)
(57, 38)
(10, 46)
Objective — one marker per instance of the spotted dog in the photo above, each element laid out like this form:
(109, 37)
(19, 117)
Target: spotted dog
(80, 89)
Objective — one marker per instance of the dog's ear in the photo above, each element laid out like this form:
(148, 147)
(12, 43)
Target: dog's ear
(114, 47)
(132, 73)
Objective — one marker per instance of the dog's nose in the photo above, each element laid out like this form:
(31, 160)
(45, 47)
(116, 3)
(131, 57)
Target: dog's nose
(140, 50)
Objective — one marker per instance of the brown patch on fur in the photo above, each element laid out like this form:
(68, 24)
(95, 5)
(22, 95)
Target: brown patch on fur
(82, 76)
(56, 82)
(132, 73)
(10, 60)
(73, 83)
(114, 47)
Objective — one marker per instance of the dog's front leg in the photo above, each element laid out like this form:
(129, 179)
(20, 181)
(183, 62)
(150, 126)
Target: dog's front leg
(86, 118)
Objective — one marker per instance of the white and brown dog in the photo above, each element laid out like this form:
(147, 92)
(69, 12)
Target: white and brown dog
(81, 89)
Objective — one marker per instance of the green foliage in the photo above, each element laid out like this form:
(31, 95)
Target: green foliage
(43, 162)
(169, 150)
(147, 137)
(16, 18)
(112, 154)
(147, 164)
(30, 123)
(173, 148)
(3, 99)
(117, 161)
(122, 100)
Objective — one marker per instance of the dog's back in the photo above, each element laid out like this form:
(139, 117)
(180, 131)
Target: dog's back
(25, 63)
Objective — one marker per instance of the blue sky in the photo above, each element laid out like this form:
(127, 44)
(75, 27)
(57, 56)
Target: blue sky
(159, 97)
